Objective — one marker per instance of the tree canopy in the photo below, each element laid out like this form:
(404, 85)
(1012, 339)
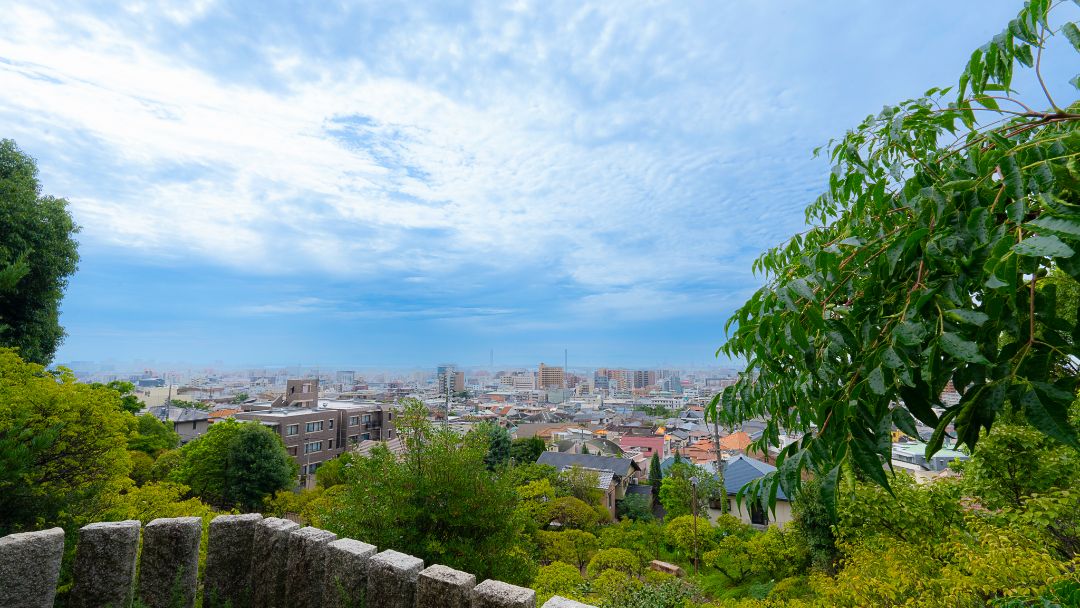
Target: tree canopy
(235, 464)
(38, 253)
(61, 444)
(926, 263)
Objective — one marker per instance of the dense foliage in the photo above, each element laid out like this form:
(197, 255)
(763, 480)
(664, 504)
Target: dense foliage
(38, 253)
(235, 464)
(927, 263)
(440, 502)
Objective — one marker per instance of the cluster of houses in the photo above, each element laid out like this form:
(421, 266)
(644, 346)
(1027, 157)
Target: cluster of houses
(616, 438)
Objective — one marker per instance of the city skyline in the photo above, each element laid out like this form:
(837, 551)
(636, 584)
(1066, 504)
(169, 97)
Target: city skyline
(399, 185)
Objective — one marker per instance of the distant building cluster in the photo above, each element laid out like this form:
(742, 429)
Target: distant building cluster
(609, 420)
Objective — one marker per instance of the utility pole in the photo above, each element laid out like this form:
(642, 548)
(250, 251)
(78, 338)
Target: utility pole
(693, 485)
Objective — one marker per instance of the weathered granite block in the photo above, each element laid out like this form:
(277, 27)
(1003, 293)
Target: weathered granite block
(169, 567)
(346, 573)
(306, 568)
(392, 580)
(227, 580)
(30, 568)
(444, 587)
(497, 594)
(562, 602)
(269, 559)
(105, 565)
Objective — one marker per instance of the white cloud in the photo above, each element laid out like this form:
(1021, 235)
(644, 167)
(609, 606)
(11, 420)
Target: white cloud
(358, 172)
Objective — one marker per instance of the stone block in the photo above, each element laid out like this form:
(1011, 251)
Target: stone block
(269, 558)
(105, 559)
(392, 580)
(444, 587)
(169, 567)
(227, 580)
(346, 573)
(562, 602)
(30, 568)
(306, 570)
(497, 594)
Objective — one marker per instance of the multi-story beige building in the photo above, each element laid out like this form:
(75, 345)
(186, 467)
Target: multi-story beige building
(549, 377)
(322, 429)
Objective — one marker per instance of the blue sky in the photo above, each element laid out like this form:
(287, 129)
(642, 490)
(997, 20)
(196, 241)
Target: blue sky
(404, 183)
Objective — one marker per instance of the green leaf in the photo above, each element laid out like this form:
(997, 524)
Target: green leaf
(1051, 416)
(1043, 246)
(961, 348)
(891, 359)
(828, 490)
(972, 317)
(1014, 181)
(1072, 33)
(1069, 226)
(800, 287)
(1075, 81)
(910, 333)
(868, 460)
(905, 422)
(877, 381)
(937, 439)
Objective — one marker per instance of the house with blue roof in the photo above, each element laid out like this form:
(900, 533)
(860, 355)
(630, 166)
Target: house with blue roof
(740, 470)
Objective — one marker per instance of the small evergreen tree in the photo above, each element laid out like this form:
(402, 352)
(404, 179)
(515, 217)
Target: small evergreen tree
(656, 475)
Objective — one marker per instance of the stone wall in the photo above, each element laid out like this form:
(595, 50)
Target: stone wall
(251, 562)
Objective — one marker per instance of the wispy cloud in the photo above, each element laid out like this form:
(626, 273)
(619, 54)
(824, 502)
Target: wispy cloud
(496, 165)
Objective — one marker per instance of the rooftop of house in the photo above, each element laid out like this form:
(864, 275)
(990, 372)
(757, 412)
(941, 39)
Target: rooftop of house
(619, 466)
(178, 414)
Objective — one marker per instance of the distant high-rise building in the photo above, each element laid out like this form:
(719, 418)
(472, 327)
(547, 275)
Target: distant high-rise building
(549, 377)
(448, 374)
(345, 377)
(644, 378)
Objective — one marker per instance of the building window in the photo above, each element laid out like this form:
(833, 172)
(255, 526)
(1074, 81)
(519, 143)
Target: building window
(314, 446)
(312, 427)
(331, 422)
(311, 467)
(390, 415)
(366, 436)
(367, 418)
(292, 451)
(330, 445)
(354, 420)
(292, 429)
(193, 424)
(354, 439)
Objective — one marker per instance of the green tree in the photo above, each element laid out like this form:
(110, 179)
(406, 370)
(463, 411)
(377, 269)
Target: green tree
(656, 473)
(239, 398)
(557, 578)
(152, 436)
(332, 472)
(581, 483)
(941, 218)
(572, 512)
(679, 534)
(129, 402)
(615, 558)
(570, 546)
(636, 507)
(38, 253)
(498, 444)
(526, 449)
(816, 522)
(677, 490)
(235, 464)
(61, 445)
(439, 502)
(1014, 462)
